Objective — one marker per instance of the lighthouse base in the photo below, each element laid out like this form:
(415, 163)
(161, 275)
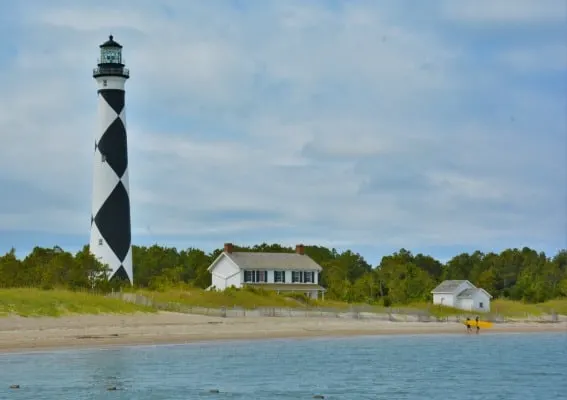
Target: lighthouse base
(121, 275)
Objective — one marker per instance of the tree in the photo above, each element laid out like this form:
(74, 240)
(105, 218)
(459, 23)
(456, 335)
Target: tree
(521, 274)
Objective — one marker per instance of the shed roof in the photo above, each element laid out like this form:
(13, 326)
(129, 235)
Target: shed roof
(448, 286)
(467, 293)
(277, 261)
(470, 292)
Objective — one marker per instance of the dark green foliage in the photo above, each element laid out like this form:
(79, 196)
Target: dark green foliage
(50, 268)
(518, 274)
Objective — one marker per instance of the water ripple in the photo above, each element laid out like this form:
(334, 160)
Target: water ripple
(445, 367)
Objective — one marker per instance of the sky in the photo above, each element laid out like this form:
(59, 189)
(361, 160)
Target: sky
(438, 127)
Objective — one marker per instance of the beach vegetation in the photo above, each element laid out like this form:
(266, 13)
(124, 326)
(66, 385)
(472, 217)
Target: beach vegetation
(33, 302)
(522, 280)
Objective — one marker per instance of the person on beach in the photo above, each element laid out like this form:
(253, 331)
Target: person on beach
(468, 324)
(477, 325)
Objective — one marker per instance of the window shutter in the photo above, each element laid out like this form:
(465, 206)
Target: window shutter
(283, 276)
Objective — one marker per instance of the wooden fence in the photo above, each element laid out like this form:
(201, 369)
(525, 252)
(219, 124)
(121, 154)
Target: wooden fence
(355, 312)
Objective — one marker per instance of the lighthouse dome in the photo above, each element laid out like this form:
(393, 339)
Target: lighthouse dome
(111, 43)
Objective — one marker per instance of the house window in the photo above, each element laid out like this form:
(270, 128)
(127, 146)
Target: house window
(261, 276)
(308, 277)
(279, 276)
(255, 277)
(295, 276)
(481, 305)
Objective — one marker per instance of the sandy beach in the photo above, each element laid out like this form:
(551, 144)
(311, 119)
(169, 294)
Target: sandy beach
(24, 334)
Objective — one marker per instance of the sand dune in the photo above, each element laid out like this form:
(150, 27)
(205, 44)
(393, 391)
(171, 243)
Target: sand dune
(18, 334)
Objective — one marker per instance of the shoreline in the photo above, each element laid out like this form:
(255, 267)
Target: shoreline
(18, 334)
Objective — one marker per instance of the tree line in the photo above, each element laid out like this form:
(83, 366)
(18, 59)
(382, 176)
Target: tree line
(399, 278)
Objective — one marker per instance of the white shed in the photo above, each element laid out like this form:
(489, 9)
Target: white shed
(461, 294)
(476, 299)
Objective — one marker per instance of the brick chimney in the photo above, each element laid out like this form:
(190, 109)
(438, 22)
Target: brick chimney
(300, 249)
(228, 248)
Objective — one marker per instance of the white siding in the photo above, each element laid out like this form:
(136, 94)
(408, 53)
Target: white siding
(444, 299)
(225, 274)
(474, 303)
(465, 304)
(478, 298)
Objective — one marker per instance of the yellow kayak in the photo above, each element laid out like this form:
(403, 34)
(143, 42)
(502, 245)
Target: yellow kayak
(481, 324)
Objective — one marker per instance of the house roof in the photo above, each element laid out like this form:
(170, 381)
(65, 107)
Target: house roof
(278, 261)
(449, 286)
(287, 286)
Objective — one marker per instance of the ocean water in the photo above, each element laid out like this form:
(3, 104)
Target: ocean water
(444, 367)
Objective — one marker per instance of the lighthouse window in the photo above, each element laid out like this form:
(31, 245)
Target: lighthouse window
(100, 242)
(111, 56)
(104, 82)
(103, 158)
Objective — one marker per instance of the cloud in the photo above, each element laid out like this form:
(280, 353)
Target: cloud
(506, 11)
(546, 58)
(349, 125)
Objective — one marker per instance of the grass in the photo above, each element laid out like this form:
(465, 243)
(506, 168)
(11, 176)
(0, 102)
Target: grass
(230, 298)
(55, 303)
(557, 305)
(503, 307)
(247, 299)
(35, 302)
(250, 299)
(512, 308)
(433, 310)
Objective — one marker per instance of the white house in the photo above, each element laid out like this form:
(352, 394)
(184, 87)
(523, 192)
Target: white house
(463, 295)
(281, 272)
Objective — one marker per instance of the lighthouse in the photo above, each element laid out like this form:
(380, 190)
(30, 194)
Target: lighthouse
(111, 238)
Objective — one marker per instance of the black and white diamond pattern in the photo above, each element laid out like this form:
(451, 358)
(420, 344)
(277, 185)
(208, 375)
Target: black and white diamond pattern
(110, 219)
